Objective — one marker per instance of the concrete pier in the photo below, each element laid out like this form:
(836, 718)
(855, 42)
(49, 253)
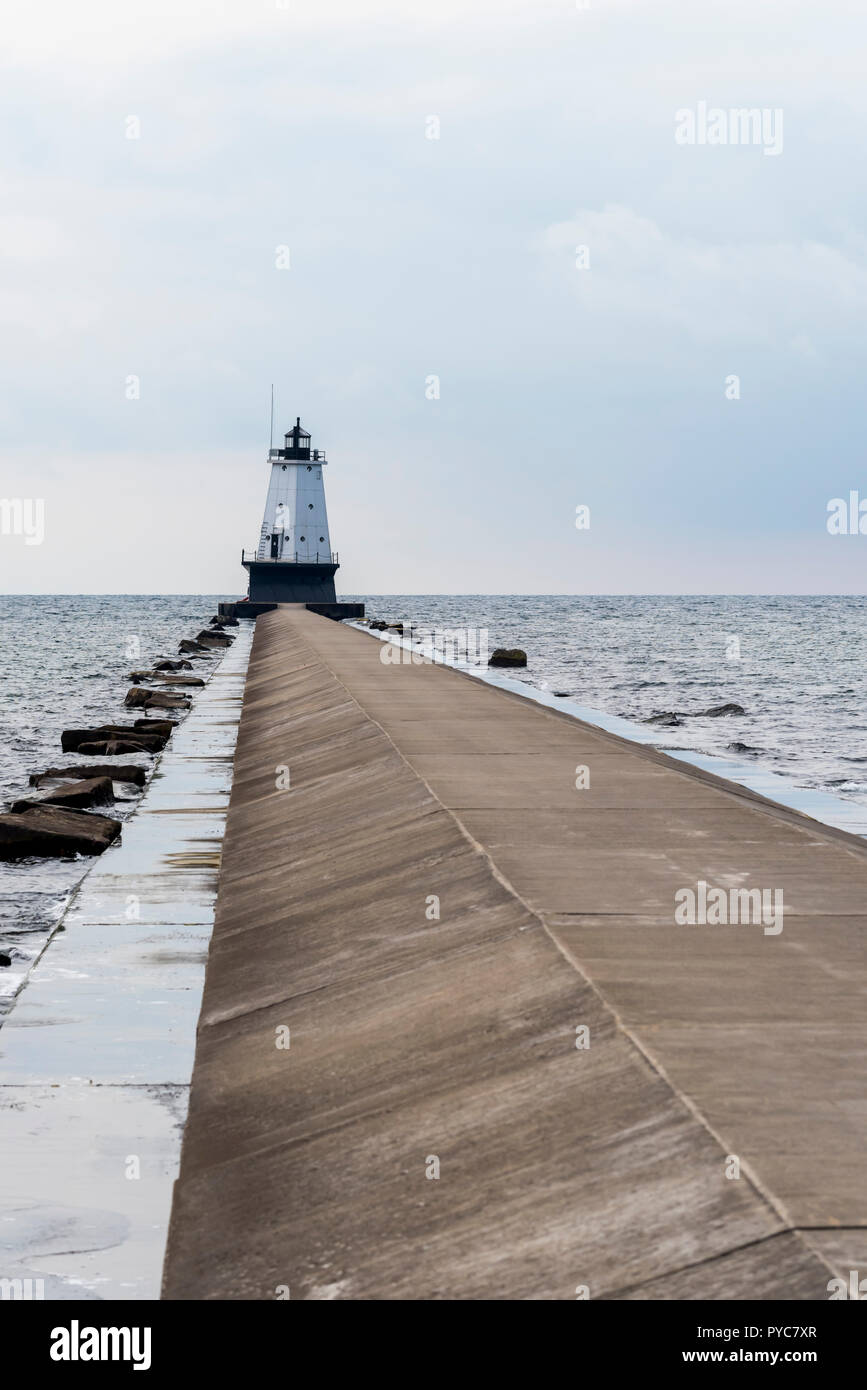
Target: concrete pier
(453, 1042)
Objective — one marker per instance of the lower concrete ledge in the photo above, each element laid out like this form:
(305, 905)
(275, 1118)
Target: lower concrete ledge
(97, 1052)
(337, 611)
(245, 608)
(392, 1095)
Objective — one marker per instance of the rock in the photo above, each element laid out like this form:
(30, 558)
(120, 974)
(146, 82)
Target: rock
(214, 638)
(113, 747)
(738, 747)
(377, 625)
(138, 775)
(137, 697)
(154, 726)
(671, 717)
(4, 959)
(71, 739)
(188, 646)
(55, 832)
(561, 694)
(94, 741)
(159, 678)
(231, 622)
(173, 666)
(93, 791)
(508, 656)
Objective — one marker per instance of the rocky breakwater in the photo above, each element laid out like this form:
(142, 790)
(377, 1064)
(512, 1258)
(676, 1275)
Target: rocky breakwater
(64, 821)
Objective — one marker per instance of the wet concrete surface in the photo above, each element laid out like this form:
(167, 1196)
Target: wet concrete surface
(97, 1051)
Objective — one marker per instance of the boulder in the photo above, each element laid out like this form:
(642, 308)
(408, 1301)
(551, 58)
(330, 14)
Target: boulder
(155, 726)
(173, 666)
(231, 622)
(188, 646)
(114, 746)
(4, 959)
(93, 741)
(719, 711)
(93, 791)
(55, 832)
(150, 734)
(668, 719)
(137, 697)
(508, 656)
(138, 775)
(161, 678)
(377, 625)
(212, 637)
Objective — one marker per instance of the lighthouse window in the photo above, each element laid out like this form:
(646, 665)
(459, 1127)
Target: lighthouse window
(322, 538)
(303, 538)
(309, 468)
(284, 468)
(310, 506)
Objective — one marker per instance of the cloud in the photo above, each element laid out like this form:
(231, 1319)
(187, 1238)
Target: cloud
(662, 288)
(97, 32)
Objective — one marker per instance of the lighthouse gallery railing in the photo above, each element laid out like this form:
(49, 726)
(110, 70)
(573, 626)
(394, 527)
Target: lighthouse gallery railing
(323, 557)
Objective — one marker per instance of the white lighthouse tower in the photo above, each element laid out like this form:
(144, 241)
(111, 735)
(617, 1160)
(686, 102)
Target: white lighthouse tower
(293, 561)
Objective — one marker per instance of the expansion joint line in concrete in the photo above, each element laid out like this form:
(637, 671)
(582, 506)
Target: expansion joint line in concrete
(716, 1259)
(763, 1194)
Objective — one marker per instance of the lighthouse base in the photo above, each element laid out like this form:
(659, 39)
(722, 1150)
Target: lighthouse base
(279, 581)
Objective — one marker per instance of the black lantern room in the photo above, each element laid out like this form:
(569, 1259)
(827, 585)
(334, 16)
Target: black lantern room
(296, 443)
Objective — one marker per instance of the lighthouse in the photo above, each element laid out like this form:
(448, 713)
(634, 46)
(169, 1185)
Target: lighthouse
(293, 562)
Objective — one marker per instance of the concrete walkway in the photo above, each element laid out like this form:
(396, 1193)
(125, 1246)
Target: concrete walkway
(424, 1044)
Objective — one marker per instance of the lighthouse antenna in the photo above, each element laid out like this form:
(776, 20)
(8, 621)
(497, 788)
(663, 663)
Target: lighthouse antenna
(271, 445)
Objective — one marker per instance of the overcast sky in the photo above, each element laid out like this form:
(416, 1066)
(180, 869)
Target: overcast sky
(305, 124)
